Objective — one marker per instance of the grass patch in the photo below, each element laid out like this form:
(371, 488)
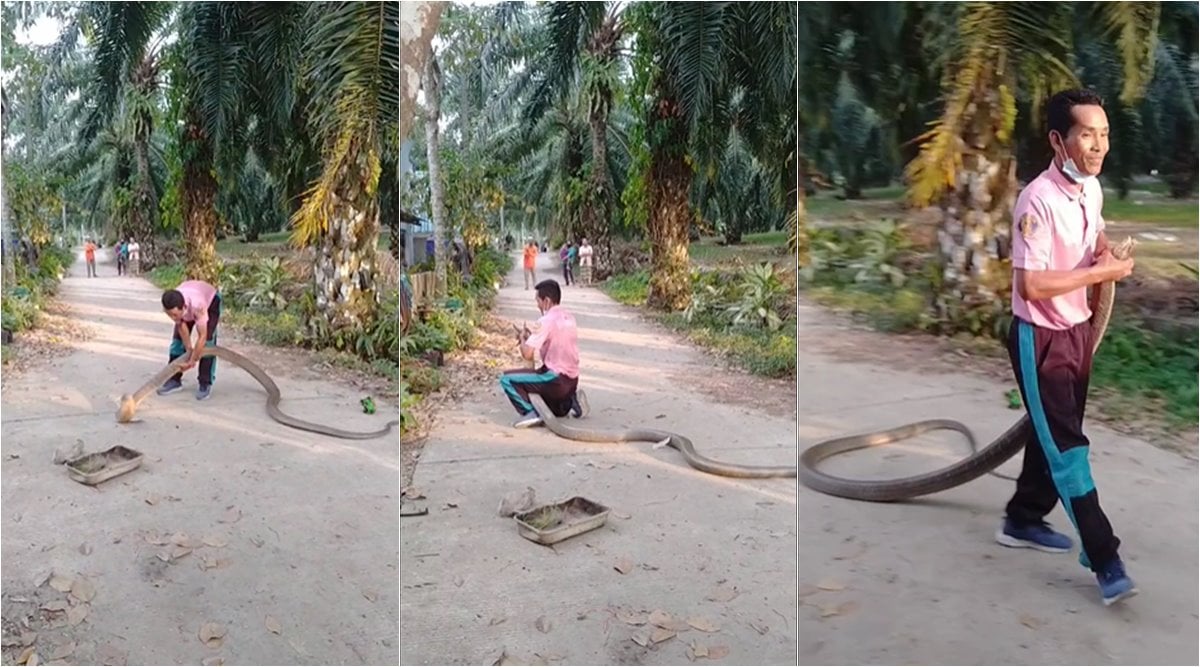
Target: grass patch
(166, 276)
(1152, 211)
(760, 351)
(754, 248)
(1150, 369)
(874, 201)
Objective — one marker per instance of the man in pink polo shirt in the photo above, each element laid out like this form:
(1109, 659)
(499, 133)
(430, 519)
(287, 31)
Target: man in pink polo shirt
(1059, 252)
(557, 381)
(195, 307)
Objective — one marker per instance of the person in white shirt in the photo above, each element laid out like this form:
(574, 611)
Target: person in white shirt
(585, 262)
(135, 256)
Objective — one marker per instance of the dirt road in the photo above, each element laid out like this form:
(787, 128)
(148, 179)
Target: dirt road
(285, 539)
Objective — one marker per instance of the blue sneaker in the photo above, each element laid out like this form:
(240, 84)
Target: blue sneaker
(203, 392)
(170, 387)
(1115, 585)
(579, 404)
(1038, 536)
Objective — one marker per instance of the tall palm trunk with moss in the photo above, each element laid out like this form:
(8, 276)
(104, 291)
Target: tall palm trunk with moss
(600, 73)
(346, 267)
(432, 84)
(145, 204)
(669, 204)
(199, 201)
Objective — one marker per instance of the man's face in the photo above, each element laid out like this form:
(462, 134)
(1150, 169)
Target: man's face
(1087, 141)
(542, 304)
(174, 313)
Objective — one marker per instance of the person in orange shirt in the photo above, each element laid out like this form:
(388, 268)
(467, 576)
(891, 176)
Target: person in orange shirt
(89, 255)
(531, 253)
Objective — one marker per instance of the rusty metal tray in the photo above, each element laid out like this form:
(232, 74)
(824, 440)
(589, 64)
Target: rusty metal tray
(92, 469)
(553, 523)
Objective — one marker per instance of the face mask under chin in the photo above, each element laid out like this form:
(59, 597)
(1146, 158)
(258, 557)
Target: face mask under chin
(1072, 172)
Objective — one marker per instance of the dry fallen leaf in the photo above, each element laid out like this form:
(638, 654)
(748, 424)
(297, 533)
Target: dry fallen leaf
(723, 594)
(55, 605)
(213, 661)
(660, 635)
(231, 515)
(1030, 622)
(830, 585)
(41, 579)
(641, 638)
(257, 542)
(542, 624)
(152, 499)
(370, 595)
(164, 556)
(631, 617)
(601, 465)
(60, 583)
(718, 652)
(76, 614)
(33, 660)
(623, 565)
(497, 620)
(28, 638)
(620, 515)
(703, 625)
(760, 629)
(25, 655)
(60, 652)
(212, 634)
(179, 552)
(840, 610)
(85, 549)
(215, 541)
(156, 539)
(413, 493)
(83, 590)
(696, 651)
(805, 590)
(273, 625)
(660, 618)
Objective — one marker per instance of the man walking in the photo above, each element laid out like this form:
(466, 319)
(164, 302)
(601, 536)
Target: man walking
(1059, 251)
(557, 381)
(531, 253)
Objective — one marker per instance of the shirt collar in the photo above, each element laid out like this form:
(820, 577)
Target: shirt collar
(1065, 185)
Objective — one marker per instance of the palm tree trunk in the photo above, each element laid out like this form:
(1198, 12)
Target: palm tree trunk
(418, 25)
(199, 197)
(799, 231)
(346, 265)
(437, 198)
(145, 205)
(596, 214)
(670, 213)
(974, 235)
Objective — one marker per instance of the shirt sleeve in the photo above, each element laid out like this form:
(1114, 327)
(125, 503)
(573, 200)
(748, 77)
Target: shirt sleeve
(538, 338)
(1032, 236)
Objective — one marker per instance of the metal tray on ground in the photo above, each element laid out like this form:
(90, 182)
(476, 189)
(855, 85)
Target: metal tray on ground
(554, 523)
(91, 469)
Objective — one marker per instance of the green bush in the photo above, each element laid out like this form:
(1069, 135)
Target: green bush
(630, 289)
(167, 276)
(277, 328)
(1158, 367)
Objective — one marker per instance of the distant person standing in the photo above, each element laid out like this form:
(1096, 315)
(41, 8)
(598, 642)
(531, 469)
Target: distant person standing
(122, 249)
(135, 256)
(89, 256)
(585, 262)
(531, 253)
(564, 256)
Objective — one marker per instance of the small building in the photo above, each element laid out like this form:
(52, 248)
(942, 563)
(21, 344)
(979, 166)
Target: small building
(416, 240)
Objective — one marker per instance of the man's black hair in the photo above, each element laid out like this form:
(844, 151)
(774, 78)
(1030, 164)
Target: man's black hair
(549, 289)
(1058, 110)
(172, 298)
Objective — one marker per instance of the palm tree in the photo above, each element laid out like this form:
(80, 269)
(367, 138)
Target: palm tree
(1002, 51)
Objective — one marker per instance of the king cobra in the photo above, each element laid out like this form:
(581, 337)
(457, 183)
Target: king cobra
(979, 463)
(130, 402)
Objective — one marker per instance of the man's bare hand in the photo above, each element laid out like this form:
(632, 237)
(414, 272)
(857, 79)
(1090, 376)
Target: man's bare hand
(1113, 268)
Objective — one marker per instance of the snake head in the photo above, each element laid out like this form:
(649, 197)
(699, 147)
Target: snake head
(1124, 249)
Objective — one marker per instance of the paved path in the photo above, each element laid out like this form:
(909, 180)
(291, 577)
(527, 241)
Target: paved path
(311, 522)
(471, 588)
(924, 582)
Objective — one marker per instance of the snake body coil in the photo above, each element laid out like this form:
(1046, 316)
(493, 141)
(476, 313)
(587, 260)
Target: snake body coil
(979, 463)
(130, 402)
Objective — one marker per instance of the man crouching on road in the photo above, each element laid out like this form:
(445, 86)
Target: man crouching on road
(557, 342)
(1059, 251)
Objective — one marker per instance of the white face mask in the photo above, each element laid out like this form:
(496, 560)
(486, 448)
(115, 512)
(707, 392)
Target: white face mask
(1072, 172)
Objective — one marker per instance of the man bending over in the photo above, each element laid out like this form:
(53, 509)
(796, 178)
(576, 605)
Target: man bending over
(195, 307)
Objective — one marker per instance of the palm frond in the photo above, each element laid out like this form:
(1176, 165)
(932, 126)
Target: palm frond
(1135, 26)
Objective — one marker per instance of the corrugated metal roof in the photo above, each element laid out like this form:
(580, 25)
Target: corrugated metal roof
(423, 226)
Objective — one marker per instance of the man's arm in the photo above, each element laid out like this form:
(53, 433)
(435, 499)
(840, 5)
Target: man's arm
(197, 350)
(1038, 285)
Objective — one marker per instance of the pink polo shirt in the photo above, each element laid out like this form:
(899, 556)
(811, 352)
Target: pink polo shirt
(557, 338)
(1055, 227)
(197, 296)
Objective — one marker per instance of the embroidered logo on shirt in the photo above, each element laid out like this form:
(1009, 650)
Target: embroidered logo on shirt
(1029, 225)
